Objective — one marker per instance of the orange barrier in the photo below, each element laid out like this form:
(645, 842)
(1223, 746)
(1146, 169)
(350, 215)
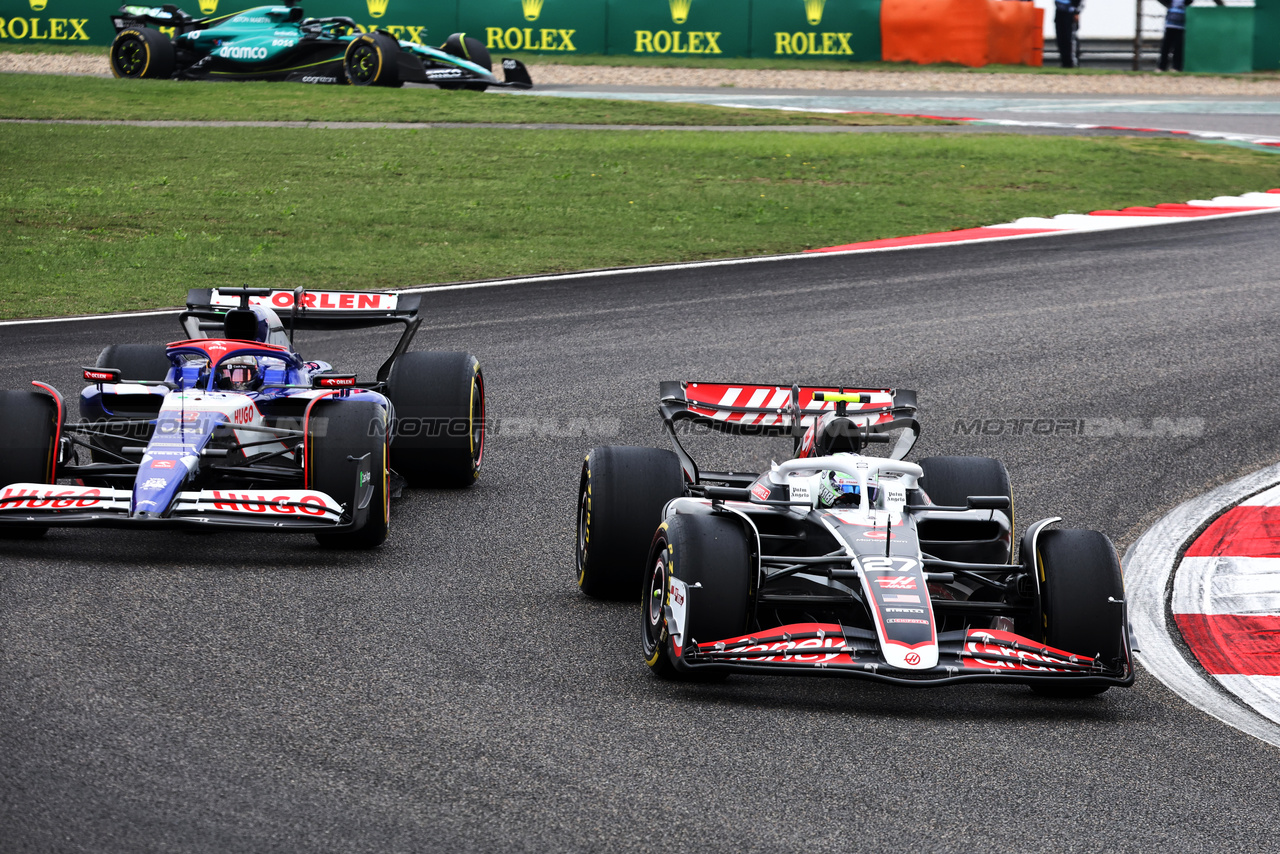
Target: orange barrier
(967, 32)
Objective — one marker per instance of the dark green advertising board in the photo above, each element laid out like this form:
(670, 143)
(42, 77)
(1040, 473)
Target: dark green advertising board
(537, 26)
(60, 22)
(839, 29)
(680, 27)
(411, 20)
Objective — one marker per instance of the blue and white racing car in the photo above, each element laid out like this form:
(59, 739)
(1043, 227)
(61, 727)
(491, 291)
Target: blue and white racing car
(231, 427)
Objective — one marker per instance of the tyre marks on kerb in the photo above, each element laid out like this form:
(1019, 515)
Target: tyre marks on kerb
(1226, 601)
(1250, 703)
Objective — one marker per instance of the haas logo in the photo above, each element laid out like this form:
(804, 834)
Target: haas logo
(912, 658)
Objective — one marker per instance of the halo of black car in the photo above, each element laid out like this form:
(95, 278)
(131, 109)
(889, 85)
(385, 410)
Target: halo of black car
(838, 562)
(232, 428)
(280, 43)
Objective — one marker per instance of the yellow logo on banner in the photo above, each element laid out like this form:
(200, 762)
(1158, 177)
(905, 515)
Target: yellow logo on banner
(813, 11)
(377, 8)
(208, 7)
(680, 10)
(532, 9)
(38, 5)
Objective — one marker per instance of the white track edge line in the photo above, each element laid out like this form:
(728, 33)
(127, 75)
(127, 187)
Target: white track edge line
(1149, 565)
(691, 265)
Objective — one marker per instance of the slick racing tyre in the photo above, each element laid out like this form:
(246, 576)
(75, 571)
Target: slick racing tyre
(949, 481)
(464, 47)
(711, 551)
(346, 458)
(28, 446)
(145, 362)
(139, 52)
(439, 410)
(621, 494)
(1082, 601)
(371, 60)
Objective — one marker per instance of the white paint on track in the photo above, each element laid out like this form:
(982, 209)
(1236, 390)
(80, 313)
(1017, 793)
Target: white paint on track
(1149, 565)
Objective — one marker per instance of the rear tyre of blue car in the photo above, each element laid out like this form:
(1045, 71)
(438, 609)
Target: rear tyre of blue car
(472, 50)
(372, 59)
(710, 551)
(1082, 601)
(28, 446)
(440, 430)
(146, 362)
(621, 494)
(141, 52)
(139, 362)
(346, 458)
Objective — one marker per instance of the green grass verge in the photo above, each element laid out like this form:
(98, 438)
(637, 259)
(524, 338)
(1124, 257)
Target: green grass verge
(109, 218)
(46, 96)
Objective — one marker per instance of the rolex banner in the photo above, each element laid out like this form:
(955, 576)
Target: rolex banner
(821, 29)
(825, 29)
(535, 26)
(711, 28)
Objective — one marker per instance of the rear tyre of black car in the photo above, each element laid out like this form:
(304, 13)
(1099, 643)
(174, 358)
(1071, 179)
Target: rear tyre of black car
(708, 550)
(439, 434)
(372, 60)
(621, 494)
(465, 47)
(28, 446)
(141, 52)
(1082, 595)
(949, 481)
(346, 458)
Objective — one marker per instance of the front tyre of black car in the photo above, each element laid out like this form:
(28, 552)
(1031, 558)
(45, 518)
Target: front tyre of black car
(1082, 602)
(711, 555)
(141, 52)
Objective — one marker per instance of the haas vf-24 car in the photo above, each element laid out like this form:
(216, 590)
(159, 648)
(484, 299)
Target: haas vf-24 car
(232, 428)
(840, 562)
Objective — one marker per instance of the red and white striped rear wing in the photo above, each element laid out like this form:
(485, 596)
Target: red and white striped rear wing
(763, 409)
(758, 409)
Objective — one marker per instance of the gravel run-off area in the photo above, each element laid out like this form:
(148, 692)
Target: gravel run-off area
(871, 81)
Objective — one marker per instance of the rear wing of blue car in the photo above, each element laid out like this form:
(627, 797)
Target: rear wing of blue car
(300, 308)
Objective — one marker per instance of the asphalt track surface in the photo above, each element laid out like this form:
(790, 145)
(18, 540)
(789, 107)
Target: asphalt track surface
(453, 691)
(1256, 115)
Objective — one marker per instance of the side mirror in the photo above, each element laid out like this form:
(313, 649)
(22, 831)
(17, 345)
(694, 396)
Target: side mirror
(988, 502)
(102, 375)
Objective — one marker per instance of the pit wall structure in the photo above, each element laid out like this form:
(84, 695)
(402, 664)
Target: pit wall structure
(972, 32)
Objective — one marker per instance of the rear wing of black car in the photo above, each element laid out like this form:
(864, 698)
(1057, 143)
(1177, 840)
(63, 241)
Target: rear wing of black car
(304, 309)
(763, 409)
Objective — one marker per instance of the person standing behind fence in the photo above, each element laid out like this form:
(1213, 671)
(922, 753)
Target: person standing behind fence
(1175, 34)
(1066, 21)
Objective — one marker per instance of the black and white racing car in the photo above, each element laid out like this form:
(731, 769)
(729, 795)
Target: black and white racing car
(232, 428)
(839, 561)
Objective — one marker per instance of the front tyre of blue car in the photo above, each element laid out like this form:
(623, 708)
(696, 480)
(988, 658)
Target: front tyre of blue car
(140, 52)
(346, 458)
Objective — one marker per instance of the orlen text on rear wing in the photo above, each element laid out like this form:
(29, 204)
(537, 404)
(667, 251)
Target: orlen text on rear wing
(304, 309)
(762, 409)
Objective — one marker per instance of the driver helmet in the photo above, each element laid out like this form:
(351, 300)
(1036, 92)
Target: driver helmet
(837, 489)
(239, 374)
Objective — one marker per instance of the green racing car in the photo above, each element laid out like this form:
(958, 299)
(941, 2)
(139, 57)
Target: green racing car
(279, 43)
